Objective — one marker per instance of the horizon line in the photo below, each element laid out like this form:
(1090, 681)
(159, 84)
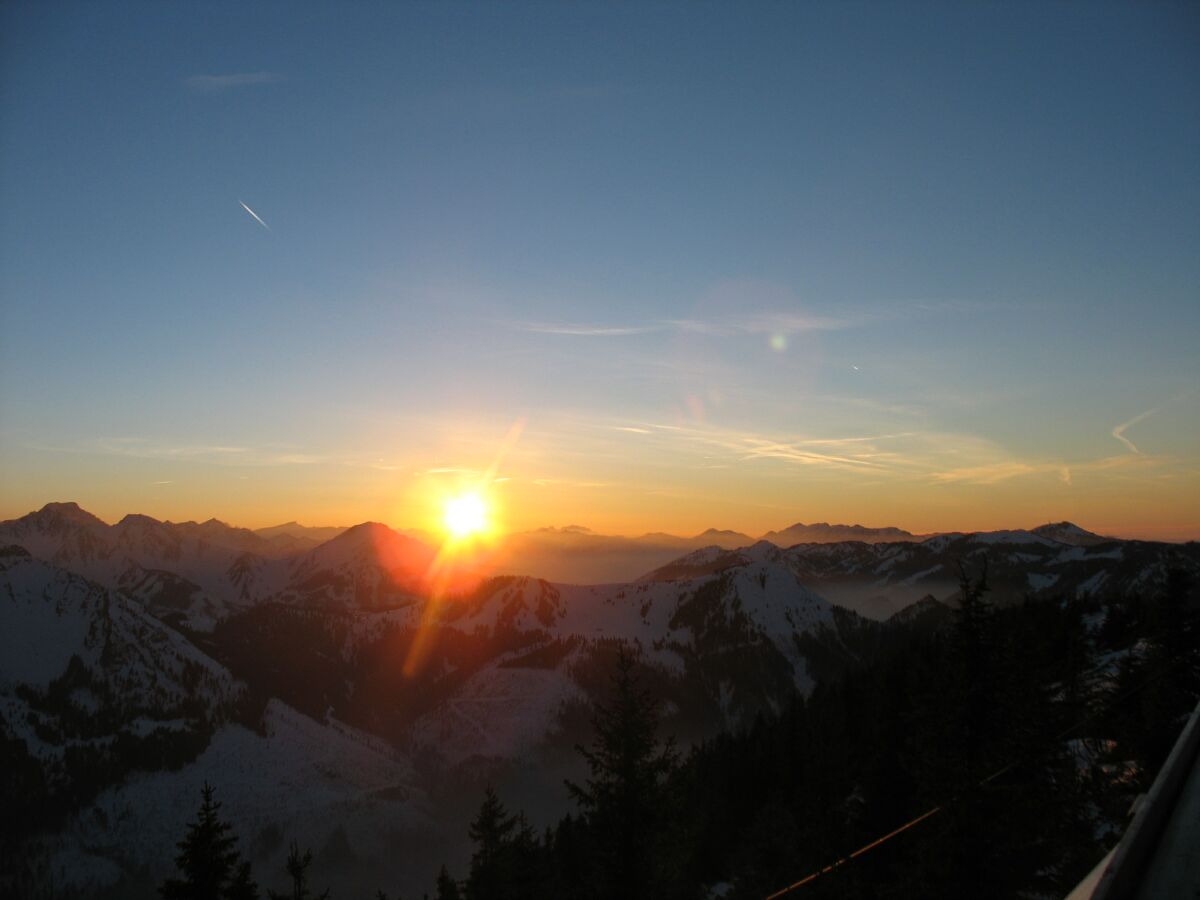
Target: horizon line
(575, 528)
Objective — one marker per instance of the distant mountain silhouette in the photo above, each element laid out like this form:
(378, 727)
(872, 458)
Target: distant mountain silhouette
(293, 536)
(824, 533)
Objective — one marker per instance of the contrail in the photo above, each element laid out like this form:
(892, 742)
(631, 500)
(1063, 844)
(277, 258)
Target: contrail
(257, 217)
(1119, 431)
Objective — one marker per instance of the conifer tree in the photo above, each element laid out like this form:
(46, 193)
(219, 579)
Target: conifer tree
(447, 887)
(242, 887)
(209, 861)
(625, 798)
(297, 867)
(491, 831)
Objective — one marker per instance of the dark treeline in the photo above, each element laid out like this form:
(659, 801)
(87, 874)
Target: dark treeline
(1032, 727)
(1028, 728)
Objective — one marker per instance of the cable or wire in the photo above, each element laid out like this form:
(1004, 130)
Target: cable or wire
(930, 813)
(857, 853)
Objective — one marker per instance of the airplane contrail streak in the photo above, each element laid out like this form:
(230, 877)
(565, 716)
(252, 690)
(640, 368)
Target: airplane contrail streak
(257, 217)
(1119, 431)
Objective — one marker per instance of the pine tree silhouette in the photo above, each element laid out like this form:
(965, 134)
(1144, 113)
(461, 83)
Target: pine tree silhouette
(491, 831)
(624, 799)
(242, 887)
(447, 887)
(297, 866)
(209, 861)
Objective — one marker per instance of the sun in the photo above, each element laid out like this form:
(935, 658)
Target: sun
(465, 515)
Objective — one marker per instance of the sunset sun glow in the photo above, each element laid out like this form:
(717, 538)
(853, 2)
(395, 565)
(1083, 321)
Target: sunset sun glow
(465, 516)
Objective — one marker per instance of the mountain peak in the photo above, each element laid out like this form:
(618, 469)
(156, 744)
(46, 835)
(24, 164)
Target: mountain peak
(380, 538)
(363, 531)
(133, 519)
(68, 511)
(1069, 533)
(721, 532)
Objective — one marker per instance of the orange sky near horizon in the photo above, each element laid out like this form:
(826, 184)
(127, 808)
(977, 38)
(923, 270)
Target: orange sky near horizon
(642, 481)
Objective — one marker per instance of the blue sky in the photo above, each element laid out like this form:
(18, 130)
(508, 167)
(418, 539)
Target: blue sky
(684, 244)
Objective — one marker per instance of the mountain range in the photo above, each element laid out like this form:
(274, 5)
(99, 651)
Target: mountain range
(353, 691)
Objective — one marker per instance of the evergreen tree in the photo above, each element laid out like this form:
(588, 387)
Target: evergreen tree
(525, 865)
(242, 887)
(447, 887)
(297, 867)
(491, 831)
(209, 861)
(625, 798)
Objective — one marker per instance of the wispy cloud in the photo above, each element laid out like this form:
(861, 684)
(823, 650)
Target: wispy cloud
(986, 474)
(856, 453)
(725, 326)
(916, 457)
(1119, 431)
(211, 84)
(764, 449)
(565, 482)
(763, 323)
(217, 454)
(586, 330)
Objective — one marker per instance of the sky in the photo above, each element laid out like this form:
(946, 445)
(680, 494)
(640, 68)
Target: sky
(631, 266)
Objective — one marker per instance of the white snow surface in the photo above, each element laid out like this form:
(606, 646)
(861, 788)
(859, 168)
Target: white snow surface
(499, 713)
(303, 776)
(48, 615)
(45, 617)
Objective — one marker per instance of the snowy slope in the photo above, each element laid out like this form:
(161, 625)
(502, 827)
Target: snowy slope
(102, 696)
(877, 580)
(304, 778)
(49, 615)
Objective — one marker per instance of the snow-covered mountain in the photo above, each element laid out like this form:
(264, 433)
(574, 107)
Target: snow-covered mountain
(878, 580)
(116, 720)
(160, 654)
(190, 571)
(197, 574)
(515, 651)
(1070, 533)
